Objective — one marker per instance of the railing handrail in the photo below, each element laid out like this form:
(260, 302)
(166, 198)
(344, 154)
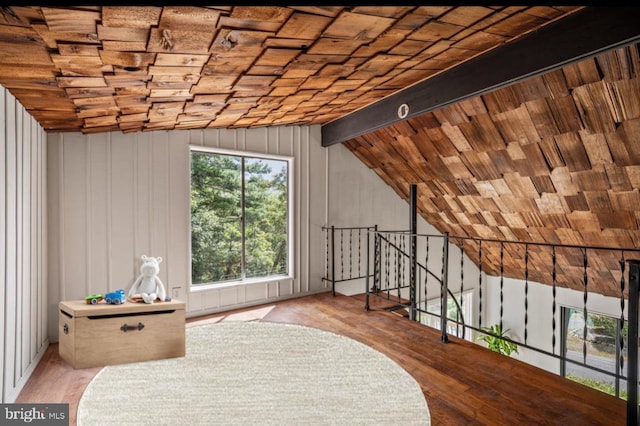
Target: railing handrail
(382, 235)
(427, 270)
(531, 243)
(344, 228)
(407, 256)
(331, 230)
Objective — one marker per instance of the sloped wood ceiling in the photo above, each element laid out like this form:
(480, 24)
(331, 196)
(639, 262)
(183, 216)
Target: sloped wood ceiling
(555, 158)
(140, 68)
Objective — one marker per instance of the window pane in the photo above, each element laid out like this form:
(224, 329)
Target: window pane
(433, 306)
(266, 217)
(601, 346)
(216, 200)
(239, 217)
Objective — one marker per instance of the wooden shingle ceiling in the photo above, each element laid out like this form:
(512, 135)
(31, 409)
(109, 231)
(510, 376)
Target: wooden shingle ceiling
(554, 158)
(141, 68)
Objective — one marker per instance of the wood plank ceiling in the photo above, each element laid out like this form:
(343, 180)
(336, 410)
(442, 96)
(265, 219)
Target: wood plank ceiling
(141, 68)
(554, 158)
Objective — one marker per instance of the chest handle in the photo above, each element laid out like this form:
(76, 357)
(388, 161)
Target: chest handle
(126, 327)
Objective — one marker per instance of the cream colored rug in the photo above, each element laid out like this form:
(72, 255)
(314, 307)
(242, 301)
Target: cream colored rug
(257, 373)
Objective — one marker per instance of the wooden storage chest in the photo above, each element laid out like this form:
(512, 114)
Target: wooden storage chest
(103, 334)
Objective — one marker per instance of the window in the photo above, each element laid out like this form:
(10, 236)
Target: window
(240, 217)
(465, 301)
(603, 350)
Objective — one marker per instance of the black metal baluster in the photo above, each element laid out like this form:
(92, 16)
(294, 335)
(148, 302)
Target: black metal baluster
(426, 275)
(359, 251)
(401, 264)
(632, 368)
(396, 260)
(553, 292)
(326, 238)
(480, 283)
(585, 280)
(461, 286)
(377, 264)
(350, 253)
(333, 260)
(367, 287)
(501, 283)
(444, 288)
(388, 263)
(526, 291)
(341, 253)
(383, 260)
(621, 337)
(399, 252)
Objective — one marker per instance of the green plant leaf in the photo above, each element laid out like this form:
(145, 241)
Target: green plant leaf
(495, 342)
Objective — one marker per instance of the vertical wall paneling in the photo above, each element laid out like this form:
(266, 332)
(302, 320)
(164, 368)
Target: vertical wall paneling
(257, 143)
(317, 154)
(38, 281)
(123, 239)
(32, 299)
(53, 270)
(178, 261)
(358, 197)
(61, 228)
(108, 209)
(143, 195)
(25, 291)
(307, 232)
(75, 209)
(298, 154)
(164, 198)
(301, 206)
(97, 208)
(3, 233)
(159, 206)
(88, 230)
(11, 327)
(19, 150)
(138, 202)
(272, 141)
(36, 240)
(43, 264)
(241, 141)
(22, 213)
(325, 217)
(130, 193)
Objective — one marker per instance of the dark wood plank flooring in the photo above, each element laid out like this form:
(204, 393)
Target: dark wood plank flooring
(463, 383)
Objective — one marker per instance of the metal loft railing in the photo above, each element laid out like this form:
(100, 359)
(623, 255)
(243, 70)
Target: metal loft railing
(352, 247)
(415, 271)
(394, 281)
(399, 276)
(349, 257)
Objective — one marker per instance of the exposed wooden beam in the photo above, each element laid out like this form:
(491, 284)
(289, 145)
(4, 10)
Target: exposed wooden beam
(583, 34)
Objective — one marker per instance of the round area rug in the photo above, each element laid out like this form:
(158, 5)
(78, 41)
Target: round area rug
(257, 373)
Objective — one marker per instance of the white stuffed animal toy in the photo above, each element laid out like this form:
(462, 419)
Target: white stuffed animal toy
(148, 284)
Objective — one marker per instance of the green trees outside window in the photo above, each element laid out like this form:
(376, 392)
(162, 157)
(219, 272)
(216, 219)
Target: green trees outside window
(239, 217)
(602, 345)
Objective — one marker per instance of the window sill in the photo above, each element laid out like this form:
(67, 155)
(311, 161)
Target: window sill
(196, 288)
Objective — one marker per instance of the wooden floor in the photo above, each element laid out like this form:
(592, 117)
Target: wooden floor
(463, 383)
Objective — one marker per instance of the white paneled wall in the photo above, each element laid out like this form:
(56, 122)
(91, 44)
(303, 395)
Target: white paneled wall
(358, 197)
(23, 243)
(114, 197)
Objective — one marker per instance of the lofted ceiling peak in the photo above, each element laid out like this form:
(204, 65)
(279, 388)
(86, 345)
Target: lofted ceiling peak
(551, 159)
